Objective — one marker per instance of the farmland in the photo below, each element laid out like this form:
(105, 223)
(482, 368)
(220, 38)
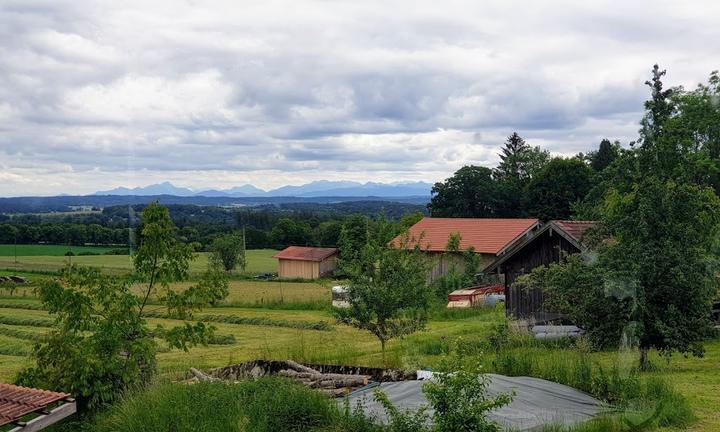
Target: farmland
(694, 377)
(281, 320)
(259, 261)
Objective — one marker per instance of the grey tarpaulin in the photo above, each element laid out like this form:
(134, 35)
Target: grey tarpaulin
(537, 402)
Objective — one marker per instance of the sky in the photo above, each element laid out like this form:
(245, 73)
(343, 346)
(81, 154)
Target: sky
(216, 94)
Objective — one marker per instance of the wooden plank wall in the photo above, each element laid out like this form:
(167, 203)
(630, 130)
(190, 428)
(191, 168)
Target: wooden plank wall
(295, 269)
(543, 250)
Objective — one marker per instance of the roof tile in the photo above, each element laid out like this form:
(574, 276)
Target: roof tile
(485, 235)
(301, 253)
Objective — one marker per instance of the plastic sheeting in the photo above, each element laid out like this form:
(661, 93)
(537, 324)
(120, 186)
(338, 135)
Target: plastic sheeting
(537, 402)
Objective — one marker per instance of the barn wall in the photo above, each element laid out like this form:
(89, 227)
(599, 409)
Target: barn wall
(328, 265)
(440, 263)
(292, 269)
(547, 248)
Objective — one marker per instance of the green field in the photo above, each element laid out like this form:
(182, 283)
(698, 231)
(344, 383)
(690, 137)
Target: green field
(23, 250)
(259, 261)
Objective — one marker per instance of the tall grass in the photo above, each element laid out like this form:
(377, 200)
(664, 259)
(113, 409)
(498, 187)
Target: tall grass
(263, 405)
(651, 401)
(27, 306)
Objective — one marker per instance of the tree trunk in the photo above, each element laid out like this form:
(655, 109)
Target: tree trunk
(382, 348)
(644, 362)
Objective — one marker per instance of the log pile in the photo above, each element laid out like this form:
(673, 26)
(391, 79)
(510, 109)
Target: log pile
(332, 384)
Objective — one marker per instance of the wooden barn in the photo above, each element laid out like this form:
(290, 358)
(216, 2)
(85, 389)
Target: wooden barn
(489, 237)
(299, 262)
(547, 245)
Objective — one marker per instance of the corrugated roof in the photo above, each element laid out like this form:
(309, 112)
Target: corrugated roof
(484, 234)
(575, 229)
(302, 253)
(17, 402)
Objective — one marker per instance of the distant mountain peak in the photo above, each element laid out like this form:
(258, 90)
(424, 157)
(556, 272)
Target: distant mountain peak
(318, 188)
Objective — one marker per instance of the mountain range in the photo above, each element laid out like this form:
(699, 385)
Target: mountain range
(321, 188)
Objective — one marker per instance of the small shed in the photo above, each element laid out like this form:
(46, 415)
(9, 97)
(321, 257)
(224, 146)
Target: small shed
(547, 245)
(300, 262)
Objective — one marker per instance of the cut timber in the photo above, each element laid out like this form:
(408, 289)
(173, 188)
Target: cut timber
(300, 368)
(318, 380)
(201, 376)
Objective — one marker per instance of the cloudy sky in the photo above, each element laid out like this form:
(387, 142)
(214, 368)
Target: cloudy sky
(100, 94)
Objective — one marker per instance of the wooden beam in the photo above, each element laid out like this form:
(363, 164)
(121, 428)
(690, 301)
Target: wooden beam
(44, 420)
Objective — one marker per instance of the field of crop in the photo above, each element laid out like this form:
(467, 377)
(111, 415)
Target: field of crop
(259, 261)
(9, 250)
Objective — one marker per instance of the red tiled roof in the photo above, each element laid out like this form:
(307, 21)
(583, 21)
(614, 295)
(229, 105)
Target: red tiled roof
(485, 235)
(16, 402)
(301, 253)
(575, 229)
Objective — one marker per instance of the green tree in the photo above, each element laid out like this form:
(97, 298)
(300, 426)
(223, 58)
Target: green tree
(583, 292)
(457, 277)
(470, 192)
(101, 345)
(519, 163)
(229, 251)
(288, 232)
(664, 251)
(354, 236)
(388, 292)
(605, 155)
(560, 184)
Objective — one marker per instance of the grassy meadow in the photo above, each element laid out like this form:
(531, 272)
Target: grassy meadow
(282, 320)
(23, 250)
(47, 258)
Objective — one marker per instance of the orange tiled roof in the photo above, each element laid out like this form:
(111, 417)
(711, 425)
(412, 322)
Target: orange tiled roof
(485, 235)
(16, 402)
(302, 253)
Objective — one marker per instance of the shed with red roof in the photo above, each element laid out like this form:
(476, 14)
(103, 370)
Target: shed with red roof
(486, 236)
(300, 262)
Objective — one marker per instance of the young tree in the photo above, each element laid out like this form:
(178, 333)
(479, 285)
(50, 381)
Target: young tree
(388, 292)
(457, 277)
(101, 345)
(229, 251)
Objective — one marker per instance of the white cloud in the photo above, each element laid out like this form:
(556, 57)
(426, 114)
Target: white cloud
(218, 93)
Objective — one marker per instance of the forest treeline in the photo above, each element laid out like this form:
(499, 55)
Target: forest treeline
(267, 226)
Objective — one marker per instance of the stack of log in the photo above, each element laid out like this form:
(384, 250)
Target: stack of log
(332, 384)
(335, 385)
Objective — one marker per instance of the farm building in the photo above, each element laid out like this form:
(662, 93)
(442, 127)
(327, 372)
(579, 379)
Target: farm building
(545, 246)
(299, 262)
(488, 237)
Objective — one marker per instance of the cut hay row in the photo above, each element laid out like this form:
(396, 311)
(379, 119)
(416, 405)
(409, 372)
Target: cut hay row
(256, 321)
(26, 321)
(14, 347)
(26, 306)
(19, 334)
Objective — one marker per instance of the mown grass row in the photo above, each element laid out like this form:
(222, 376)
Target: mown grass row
(26, 321)
(27, 306)
(257, 321)
(19, 334)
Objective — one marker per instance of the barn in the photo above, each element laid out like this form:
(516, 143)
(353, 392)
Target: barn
(487, 236)
(299, 262)
(547, 245)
